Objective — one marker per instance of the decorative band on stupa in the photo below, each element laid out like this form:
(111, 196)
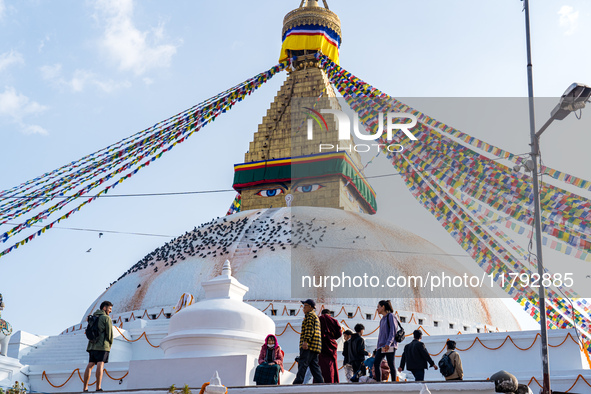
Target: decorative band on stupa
(294, 169)
(311, 28)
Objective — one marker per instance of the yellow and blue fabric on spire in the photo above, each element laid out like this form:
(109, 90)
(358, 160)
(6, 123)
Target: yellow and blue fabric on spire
(311, 37)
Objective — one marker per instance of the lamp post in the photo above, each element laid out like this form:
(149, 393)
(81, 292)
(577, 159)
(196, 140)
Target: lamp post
(573, 98)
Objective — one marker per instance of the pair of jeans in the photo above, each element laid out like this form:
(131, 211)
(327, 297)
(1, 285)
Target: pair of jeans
(419, 374)
(308, 359)
(378, 361)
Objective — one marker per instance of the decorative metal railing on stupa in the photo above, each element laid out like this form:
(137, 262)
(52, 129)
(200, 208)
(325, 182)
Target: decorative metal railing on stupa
(466, 191)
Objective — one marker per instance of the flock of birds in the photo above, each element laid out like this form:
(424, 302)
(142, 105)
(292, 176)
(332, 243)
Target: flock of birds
(223, 237)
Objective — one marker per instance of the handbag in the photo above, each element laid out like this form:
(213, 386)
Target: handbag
(400, 334)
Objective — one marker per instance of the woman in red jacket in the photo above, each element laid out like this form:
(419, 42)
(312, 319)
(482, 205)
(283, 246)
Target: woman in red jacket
(270, 362)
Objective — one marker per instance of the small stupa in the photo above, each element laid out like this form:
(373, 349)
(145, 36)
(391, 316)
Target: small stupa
(220, 332)
(220, 325)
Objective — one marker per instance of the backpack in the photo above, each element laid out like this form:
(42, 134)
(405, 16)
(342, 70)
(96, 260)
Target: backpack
(446, 367)
(92, 329)
(399, 337)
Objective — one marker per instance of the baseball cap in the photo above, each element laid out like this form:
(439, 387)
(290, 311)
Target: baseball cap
(309, 302)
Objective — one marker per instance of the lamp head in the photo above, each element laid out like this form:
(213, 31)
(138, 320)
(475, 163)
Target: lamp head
(574, 98)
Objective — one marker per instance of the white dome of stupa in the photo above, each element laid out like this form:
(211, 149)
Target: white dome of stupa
(262, 244)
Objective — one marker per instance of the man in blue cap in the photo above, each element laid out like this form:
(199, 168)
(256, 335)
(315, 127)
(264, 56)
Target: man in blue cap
(310, 344)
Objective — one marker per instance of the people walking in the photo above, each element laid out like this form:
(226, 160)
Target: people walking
(357, 352)
(450, 364)
(416, 358)
(310, 345)
(99, 347)
(270, 362)
(346, 355)
(387, 344)
(330, 331)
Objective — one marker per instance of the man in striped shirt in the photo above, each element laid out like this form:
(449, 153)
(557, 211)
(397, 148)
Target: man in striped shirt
(310, 345)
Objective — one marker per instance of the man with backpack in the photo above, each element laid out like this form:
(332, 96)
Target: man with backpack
(416, 357)
(450, 364)
(100, 338)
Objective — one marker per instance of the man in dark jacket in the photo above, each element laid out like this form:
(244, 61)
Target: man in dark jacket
(99, 349)
(346, 358)
(357, 351)
(416, 357)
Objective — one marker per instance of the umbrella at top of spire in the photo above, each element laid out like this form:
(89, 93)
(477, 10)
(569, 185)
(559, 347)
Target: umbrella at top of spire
(311, 28)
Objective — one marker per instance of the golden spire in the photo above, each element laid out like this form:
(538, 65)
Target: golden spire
(284, 165)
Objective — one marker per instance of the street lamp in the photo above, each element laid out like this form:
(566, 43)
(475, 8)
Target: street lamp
(574, 98)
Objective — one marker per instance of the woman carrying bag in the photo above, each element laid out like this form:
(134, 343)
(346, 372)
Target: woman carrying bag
(270, 362)
(387, 344)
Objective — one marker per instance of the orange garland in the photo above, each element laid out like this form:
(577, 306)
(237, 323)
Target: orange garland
(508, 338)
(45, 377)
(533, 379)
(138, 338)
(286, 326)
(203, 386)
(132, 316)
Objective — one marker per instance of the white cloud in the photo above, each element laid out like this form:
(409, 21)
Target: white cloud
(34, 129)
(9, 58)
(16, 106)
(42, 43)
(132, 49)
(568, 19)
(80, 79)
(51, 72)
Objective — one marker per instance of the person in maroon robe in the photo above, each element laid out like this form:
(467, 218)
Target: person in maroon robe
(330, 330)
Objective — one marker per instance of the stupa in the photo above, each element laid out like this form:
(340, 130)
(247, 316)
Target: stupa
(288, 190)
(299, 208)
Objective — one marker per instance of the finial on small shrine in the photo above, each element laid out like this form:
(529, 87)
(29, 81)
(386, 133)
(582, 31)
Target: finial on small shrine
(215, 385)
(227, 269)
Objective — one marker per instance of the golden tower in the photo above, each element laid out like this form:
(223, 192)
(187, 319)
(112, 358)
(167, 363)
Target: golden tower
(285, 165)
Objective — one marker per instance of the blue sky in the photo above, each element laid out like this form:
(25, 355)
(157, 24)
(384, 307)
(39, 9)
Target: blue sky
(76, 76)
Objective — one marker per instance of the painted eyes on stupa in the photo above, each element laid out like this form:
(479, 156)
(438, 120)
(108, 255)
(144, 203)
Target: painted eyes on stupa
(270, 192)
(312, 187)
